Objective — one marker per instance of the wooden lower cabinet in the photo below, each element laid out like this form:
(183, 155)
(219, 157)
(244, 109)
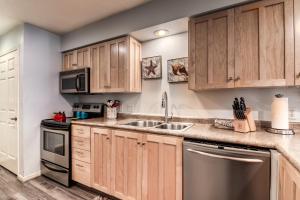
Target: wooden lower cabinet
(162, 168)
(81, 154)
(289, 181)
(126, 165)
(101, 159)
(136, 166)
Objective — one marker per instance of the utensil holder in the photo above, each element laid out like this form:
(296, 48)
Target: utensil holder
(245, 125)
(111, 113)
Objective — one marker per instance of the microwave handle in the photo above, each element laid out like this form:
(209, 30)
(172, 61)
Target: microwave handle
(77, 83)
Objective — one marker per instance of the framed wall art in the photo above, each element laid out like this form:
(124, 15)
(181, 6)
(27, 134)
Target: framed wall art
(178, 70)
(152, 67)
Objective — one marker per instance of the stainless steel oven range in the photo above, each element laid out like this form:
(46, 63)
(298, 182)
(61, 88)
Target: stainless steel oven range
(55, 150)
(56, 142)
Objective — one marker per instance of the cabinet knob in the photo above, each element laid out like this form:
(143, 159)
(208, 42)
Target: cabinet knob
(298, 75)
(237, 78)
(229, 79)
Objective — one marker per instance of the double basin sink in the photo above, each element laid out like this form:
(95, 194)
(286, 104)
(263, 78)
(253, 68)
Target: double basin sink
(160, 125)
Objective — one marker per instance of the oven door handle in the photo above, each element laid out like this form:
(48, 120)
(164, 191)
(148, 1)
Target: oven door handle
(59, 131)
(53, 169)
(249, 160)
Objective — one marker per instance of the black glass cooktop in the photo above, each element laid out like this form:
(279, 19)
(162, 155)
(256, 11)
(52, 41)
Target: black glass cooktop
(50, 123)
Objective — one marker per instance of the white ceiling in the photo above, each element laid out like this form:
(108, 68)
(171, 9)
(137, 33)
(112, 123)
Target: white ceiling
(59, 16)
(173, 27)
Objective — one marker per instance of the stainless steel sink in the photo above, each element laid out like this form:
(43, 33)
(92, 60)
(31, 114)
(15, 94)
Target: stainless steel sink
(175, 126)
(144, 123)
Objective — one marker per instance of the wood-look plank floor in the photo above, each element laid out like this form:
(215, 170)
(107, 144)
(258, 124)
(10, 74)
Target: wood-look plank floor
(41, 188)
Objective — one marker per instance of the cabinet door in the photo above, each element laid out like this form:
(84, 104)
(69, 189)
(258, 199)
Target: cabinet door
(99, 68)
(69, 60)
(135, 66)
(162, 168)
(100, 159)
(289, 181)
(297, 40)
(126, 165)
(264, 44)
(211, 51)
(83, 57)
(117, 72)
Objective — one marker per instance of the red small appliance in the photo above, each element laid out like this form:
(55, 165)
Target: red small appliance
(59, 117)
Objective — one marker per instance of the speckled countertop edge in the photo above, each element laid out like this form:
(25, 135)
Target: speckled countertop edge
(287, 145)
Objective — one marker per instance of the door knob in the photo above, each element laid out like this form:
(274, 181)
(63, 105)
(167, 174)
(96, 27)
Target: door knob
(14, 118)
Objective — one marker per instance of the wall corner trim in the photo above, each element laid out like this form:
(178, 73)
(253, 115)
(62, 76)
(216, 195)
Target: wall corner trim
(29, 177)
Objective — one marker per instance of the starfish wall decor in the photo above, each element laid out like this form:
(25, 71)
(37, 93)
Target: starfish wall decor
(151, 67)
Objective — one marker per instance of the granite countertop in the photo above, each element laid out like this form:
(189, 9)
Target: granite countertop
(288, 145)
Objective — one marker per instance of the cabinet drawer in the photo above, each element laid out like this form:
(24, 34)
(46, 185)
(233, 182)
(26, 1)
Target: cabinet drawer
(81, 172)
(81, 131)
(81, 143)
(81, 155)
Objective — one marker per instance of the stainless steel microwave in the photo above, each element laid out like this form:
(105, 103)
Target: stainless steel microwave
(75, 81)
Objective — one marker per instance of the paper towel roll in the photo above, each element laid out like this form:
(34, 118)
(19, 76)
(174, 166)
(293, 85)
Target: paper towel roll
(280, 113)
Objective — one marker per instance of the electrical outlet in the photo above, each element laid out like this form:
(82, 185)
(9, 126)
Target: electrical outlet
(292, 115)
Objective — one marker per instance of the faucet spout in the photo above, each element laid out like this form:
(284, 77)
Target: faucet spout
(164, 104)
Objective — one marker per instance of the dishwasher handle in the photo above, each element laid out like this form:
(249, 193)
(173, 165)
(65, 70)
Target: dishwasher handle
(249, 160)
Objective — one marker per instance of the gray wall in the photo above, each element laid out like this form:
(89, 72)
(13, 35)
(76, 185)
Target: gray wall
(40, 95)
(152, 13)
(11, 40)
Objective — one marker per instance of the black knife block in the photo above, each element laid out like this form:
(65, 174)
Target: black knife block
(245, 125)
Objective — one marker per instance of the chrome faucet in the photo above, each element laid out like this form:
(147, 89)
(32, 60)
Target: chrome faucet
(164, 104)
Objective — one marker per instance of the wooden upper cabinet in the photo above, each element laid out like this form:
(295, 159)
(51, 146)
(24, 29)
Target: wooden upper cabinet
(289, 181)
(162, 167)
(99, 69)
(126, 165)
(101, 159)
(83, 57)
(297, 40)
(247, 46)
(69, 60)
(115, 66)
(211, 51)
(264, 44)
(118, 69)
(76, 59)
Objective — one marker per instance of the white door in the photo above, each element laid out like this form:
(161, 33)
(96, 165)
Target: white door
(9, 64)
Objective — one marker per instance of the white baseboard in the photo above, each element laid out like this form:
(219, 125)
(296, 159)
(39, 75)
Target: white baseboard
(29, 177)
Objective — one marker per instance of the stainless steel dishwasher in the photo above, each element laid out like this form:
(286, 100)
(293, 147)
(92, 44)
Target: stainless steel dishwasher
(214, 171)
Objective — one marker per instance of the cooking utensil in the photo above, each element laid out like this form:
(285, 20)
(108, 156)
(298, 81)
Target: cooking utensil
(116, 103)
(109, 103)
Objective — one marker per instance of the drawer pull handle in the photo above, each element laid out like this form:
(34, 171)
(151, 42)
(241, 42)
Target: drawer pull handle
(229, 79)
(237, 78)
(79, 165)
